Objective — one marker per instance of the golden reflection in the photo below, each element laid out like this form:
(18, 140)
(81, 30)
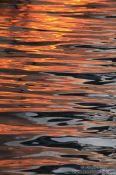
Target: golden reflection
(35, 38)
(45, 69)
(72, 2)
(32, 23)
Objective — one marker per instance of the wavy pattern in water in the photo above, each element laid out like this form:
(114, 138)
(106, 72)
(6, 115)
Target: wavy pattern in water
(57, 91)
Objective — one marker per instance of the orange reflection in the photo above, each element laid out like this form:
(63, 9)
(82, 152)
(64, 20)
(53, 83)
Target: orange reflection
(53, 59)
(38, 38)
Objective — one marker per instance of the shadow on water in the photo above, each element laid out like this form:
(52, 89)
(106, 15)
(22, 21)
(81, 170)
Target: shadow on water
(57, 90)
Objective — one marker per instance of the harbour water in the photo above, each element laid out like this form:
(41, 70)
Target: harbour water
(58, 87)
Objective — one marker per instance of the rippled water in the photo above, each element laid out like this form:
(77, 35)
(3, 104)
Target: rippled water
(58, 87)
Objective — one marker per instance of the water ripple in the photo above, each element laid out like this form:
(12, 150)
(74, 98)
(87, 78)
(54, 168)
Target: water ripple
(57, 87)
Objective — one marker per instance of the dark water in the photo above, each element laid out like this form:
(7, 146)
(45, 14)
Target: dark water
(58, 87)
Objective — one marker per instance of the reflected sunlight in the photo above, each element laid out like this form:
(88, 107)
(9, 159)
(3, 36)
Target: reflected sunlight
(57, 85)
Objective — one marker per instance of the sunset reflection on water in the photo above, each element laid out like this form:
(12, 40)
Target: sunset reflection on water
(57, 90)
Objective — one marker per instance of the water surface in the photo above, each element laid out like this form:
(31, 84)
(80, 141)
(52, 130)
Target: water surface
(58, 87)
